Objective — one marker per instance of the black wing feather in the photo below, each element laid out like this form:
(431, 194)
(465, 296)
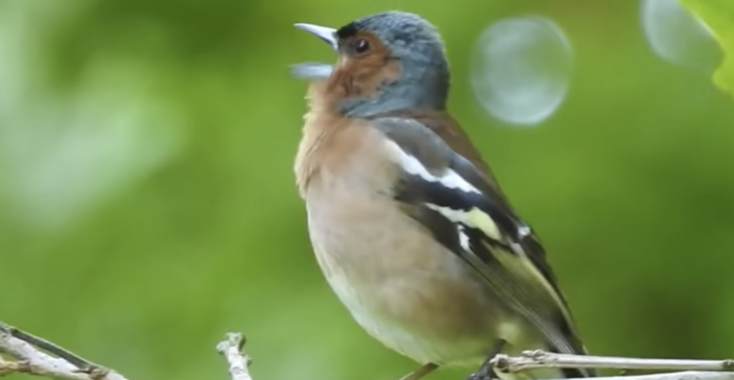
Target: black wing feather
(501, 261)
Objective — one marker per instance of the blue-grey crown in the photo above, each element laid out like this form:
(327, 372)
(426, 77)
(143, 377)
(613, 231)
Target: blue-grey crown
(404, 33)
(417, 45)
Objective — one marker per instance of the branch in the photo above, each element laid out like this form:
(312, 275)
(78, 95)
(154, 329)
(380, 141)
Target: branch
(542, 359)
(56, 362)
(688, 369)
(36, 356)
(238, 361)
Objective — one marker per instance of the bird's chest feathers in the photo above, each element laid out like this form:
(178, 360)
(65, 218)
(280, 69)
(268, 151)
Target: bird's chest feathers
(344, 181)
(338, 151)
(411, 295)
(346, 201)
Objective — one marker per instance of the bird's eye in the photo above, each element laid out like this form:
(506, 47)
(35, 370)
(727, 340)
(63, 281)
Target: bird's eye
(361, 46)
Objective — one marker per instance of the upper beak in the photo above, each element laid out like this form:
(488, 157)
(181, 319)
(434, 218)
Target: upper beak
(328, 35)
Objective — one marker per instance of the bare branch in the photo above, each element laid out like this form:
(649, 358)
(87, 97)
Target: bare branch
(687, 375)
(47, 346)
(238, 361)
(542, 359)
(26, 349)
(36, 356)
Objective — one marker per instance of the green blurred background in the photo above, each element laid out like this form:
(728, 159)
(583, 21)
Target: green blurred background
(147, 201)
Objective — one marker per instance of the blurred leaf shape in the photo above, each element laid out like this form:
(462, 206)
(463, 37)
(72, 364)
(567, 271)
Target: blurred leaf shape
(719, 17)
(63, 153)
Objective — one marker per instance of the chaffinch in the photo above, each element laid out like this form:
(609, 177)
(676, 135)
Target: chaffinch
(406, 220)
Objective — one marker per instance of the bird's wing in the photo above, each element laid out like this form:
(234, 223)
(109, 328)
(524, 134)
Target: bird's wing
(442, 124)
(449, 196)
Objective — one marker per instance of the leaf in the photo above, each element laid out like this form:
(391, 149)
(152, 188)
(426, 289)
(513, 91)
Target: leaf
(718, 15)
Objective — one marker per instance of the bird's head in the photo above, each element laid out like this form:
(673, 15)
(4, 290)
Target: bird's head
(386, 62)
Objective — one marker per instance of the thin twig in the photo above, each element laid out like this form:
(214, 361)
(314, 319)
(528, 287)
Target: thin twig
(52, 348)
(686, 375)
(239, 362)
(30, 358)
(541, 359)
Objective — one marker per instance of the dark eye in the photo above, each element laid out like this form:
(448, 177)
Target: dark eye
(361, 46)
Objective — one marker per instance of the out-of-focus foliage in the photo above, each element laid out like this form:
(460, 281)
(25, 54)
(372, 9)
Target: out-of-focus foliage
(147, 201)
(719, 16)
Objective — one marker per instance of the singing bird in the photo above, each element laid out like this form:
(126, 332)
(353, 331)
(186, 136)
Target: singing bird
(407, 222)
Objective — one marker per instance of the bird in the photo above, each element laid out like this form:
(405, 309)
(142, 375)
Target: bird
(406, 220)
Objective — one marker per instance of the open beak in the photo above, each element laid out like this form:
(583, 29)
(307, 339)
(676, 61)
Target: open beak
(316, 70)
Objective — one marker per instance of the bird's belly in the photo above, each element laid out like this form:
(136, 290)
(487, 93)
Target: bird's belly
(418, 299)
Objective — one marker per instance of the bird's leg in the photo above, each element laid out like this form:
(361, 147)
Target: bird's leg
(420, 372)
(486, 371)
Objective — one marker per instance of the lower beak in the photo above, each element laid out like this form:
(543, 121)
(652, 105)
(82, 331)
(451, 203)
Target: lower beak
(312, 70)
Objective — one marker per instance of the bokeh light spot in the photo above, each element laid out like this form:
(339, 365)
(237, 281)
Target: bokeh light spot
(678, 36)
(521, 69)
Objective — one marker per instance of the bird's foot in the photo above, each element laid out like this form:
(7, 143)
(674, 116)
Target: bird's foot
(485, 372)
